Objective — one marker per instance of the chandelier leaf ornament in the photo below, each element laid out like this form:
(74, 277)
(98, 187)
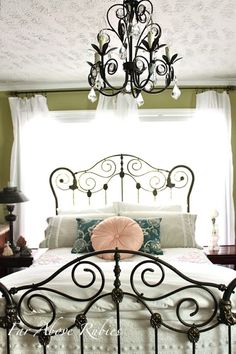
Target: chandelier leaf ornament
(135, 58)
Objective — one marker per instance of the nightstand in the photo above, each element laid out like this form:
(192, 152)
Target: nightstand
(9, 264)
(225, 256)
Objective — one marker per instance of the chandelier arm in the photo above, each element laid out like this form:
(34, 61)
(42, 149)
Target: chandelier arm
(155, 90)
(167, 70)
(108, 94)
(140, 86)
(149, 2)
(140, 37)
(107, 17)
(103, 75)
(135, 91)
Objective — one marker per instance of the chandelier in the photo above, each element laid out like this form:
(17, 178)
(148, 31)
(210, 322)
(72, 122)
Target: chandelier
(135, 59)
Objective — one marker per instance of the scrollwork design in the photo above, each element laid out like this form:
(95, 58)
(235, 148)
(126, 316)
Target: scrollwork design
(93, 280)
(185, 303)
(39, 292)
(27, 299)
(179, 177)
(152, 178)
(109, 167)
(194, 302)
(87, 181)
(97, 179)
(64, 179)
(93, 179)
(110, 67)
(158, 181)
(152, 273)
(142, 273)
(161, 67)
(135, 165)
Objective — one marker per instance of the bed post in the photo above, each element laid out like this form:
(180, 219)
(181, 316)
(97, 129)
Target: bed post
(9, 319)
(181, 174)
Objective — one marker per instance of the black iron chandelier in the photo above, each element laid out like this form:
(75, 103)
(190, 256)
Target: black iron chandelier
(135, 58)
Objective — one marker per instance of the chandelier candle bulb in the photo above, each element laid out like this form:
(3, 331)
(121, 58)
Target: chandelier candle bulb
(102, 39)
(167, 50)
(151, 36)
(96, 58)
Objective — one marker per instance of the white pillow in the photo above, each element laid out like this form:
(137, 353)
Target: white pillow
(61, 230)
(90, 210)
(120, 207)
(177, 229)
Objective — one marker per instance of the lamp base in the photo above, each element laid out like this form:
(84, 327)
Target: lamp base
(10, 218)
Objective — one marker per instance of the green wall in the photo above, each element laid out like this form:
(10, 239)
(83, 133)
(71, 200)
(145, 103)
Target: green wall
(78, 100)
(6, 137)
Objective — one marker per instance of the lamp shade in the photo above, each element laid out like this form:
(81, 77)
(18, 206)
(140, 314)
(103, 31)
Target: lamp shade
(10, 195)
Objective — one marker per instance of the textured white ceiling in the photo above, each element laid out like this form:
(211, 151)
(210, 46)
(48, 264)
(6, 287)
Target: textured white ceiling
(45, 43)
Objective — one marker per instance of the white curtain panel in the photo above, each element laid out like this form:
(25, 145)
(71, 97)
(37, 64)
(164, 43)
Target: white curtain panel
(116, 121)
(23, 112)
(123, 107)
(216, 176)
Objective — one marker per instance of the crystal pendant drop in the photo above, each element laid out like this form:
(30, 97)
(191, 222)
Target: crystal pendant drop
(140, 100)
(98, 83)
(122, 53)
(92, 95)
(128, 87)
(135, 31)
(176, 91)
(149, 86)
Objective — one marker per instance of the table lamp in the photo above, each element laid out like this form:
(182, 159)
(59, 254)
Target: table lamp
(10, 196)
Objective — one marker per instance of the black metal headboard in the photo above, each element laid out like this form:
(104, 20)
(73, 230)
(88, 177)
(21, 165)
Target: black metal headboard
(121, 177)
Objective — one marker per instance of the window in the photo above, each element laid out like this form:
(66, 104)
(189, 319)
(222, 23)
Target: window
(77, 139)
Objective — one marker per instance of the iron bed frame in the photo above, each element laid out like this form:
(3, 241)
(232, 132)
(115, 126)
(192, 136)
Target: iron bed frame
(89, 182)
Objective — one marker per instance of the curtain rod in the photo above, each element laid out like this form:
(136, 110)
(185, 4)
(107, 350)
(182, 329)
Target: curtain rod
(45, 92)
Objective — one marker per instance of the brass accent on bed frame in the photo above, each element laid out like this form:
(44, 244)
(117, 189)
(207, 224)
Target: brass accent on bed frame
(226, 314)
(190, 328)
(145, 178)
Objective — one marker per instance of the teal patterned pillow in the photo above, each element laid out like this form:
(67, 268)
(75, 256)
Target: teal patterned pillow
(83, 242)
(151, 233)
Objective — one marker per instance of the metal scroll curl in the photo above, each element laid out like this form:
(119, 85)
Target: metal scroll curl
(149, 177)
(43, 297)
(153, 275)
(64, 179)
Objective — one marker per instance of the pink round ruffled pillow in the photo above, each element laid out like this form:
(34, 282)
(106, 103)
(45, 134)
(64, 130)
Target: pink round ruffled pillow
(117, 231)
